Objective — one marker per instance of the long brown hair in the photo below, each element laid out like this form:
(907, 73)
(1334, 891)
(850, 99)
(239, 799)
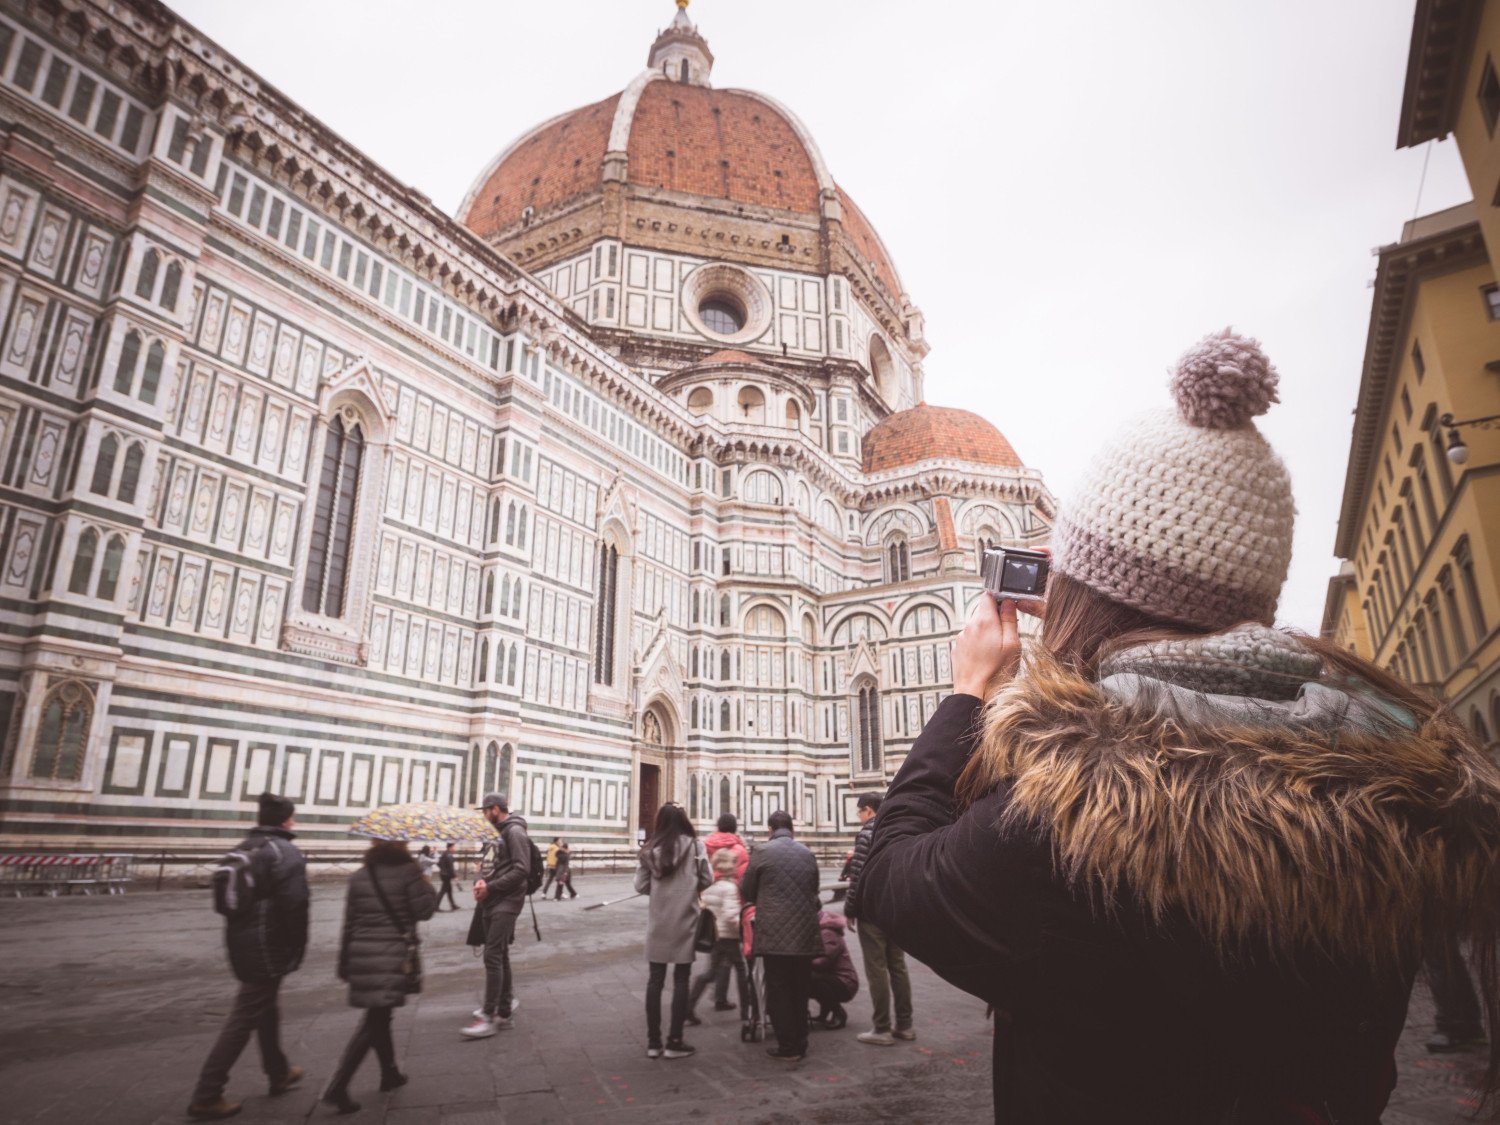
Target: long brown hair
(1083, 628)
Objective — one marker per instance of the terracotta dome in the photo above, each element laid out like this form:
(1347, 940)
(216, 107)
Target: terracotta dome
(936, 433)
(727, 356)
(730, 146)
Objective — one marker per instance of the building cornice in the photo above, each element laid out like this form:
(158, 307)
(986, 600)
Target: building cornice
(1442, 39)
(1436, 244)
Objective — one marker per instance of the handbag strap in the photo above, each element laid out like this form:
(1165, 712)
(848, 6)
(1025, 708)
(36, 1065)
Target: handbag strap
(404, 931)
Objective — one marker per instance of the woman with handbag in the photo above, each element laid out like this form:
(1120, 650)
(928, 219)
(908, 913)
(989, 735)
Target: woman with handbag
(379, 958)
(673, 870)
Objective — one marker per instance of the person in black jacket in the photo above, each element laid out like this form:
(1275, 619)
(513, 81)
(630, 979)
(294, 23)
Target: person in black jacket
(1190, 859)
(782, 882)
(447, 872)
(265, 944)
(885, 964)
(378, 959)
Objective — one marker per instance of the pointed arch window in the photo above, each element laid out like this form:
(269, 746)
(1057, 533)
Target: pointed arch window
(130, 475)
(724, 666)
(724, 799)
(145, 284)
(151, 378)
(104, 465)
(63, 736)
(898, 560)
(604, 621)
(109, 573)
(130, 355)
(325, 585)
(868, 733)
(170, 285)
(724, 715)
(83, 562)
(483, 674)
(510, 666)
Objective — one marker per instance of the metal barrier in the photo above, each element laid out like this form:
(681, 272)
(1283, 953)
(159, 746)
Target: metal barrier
(53, 875)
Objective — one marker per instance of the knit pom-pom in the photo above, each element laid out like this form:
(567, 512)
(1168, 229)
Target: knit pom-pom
(1223, 381)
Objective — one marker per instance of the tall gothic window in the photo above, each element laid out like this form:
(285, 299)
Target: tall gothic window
(130, 475)
(130, 355)
(104, 465)
(83, 562)
(326, 583)
(604, 621)
(64, 733)
(109, 572)
(898, 561)
(869, 728)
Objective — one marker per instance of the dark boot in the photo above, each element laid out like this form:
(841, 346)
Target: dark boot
(391, 1079)
(337, 1094)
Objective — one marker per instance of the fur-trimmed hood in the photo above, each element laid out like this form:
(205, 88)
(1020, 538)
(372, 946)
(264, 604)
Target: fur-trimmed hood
(1273, 810)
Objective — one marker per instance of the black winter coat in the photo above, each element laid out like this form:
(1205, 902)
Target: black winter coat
(1141, 892)
(857, 864)
(372, 950)
(269, 940)
(782, 881)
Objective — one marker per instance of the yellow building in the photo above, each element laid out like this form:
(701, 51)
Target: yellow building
(1419, 531)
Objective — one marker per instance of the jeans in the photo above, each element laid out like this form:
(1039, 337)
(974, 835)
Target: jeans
(255, 1011)
(551, 874)
(446, 889)
(565, 879)
(654, 985)
(499, 932)
(1452, 989)
(726, 959)
(885, 973)
(374, 1031)
(788, 981)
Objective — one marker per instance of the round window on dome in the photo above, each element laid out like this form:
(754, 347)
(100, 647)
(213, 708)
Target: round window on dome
(721, 314)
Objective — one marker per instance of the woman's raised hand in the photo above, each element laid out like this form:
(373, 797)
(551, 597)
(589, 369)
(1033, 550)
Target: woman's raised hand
(988, 651)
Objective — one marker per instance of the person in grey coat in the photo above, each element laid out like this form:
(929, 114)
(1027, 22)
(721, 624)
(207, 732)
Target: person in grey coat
(387, 897)
(673, 870)
(782, 882)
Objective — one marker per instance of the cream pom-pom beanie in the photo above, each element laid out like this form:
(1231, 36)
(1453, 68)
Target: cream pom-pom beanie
(1187, 514)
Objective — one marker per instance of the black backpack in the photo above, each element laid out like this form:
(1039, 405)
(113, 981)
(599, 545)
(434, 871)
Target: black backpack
(234, 883)
(538, 870)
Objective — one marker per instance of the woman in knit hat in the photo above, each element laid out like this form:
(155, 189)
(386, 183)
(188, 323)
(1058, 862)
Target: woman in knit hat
(1189, 859)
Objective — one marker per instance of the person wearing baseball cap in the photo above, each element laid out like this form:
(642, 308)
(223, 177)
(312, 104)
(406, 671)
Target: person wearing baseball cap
(501, 894)
(1191, 859)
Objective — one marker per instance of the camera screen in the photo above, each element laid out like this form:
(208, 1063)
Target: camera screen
(1019, 576)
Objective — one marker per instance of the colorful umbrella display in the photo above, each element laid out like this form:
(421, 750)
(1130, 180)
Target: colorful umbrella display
(424, 820)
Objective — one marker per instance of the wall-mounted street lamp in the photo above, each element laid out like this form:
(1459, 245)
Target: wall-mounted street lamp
(1458, 452)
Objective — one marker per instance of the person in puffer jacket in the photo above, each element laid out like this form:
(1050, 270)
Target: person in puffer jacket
(1190, 859)
(727, 836)
(723, 899)
(387, 897)
(834, 981)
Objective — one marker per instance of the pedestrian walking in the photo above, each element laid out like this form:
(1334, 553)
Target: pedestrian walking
(782, 881)
(565, 872)
(379, 959)
(727, 836)
(426, 861)
(885, 964)
(551, 863)
(723, 899)
(266, 933)
(502, 894)
(1190, 859)
(834, 982)
(447, 871)
(673, 869)
(1457, 1026)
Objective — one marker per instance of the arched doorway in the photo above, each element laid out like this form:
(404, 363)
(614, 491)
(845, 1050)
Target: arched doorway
(655, 749)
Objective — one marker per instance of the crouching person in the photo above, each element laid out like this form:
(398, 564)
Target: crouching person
(834, 981)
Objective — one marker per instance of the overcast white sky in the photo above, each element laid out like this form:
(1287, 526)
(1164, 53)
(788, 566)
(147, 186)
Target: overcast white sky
(1073, 193)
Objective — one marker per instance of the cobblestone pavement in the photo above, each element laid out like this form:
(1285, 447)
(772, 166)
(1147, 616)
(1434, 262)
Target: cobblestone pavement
(110, 1004)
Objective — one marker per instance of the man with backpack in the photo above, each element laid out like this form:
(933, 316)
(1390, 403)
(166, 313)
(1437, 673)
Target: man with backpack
(261, 889)
(515, 871)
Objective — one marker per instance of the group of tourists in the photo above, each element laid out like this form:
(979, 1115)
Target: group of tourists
(1191, 862)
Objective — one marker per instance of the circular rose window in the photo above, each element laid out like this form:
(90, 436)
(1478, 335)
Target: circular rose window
(726, 304)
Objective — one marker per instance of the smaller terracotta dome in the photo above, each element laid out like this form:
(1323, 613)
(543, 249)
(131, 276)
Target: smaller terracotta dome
(935, 433)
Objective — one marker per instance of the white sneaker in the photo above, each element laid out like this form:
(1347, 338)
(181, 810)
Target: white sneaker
(877, 1038)
(514, 1004)
(482, 1028)
(906, 1034)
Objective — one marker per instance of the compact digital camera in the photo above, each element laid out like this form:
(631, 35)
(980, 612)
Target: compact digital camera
(1015, 573)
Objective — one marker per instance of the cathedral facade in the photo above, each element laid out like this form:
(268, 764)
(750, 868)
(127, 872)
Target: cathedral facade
(617, 488)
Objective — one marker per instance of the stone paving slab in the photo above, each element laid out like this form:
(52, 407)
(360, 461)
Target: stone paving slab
(111, 1003)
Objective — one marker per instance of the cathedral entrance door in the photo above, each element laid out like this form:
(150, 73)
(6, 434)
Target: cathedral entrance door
(650, 797)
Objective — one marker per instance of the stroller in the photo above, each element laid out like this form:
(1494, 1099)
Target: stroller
(755, 1022)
